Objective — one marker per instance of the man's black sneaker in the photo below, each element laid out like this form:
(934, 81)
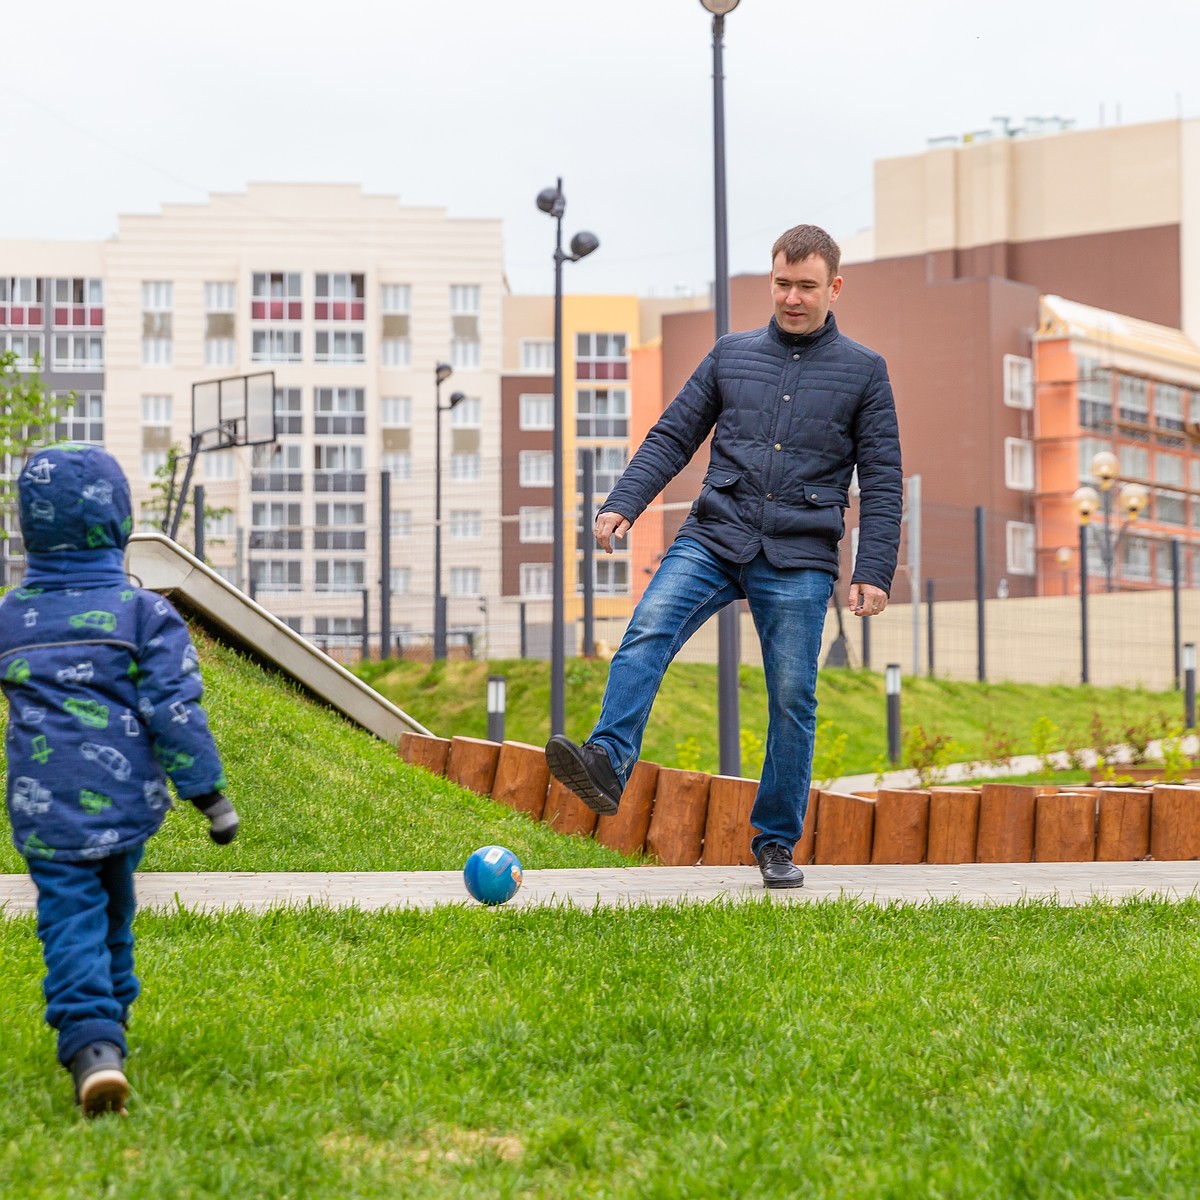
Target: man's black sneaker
(586, 771)
(100, 1083)
(778, 870)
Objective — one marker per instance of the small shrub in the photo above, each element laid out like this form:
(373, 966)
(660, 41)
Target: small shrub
(829, 756)
(999, 747)
(687, 754)
(928, 756)
(1045, 736)
(1176, 760)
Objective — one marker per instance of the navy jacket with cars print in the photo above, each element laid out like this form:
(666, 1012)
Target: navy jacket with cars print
(101, 676)
(794, 415)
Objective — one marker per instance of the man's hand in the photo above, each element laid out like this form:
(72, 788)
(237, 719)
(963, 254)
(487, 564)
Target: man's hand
(866, 600)
(608, 526)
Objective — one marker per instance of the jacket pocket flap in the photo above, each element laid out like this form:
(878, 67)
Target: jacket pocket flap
(722, 480)
(822, 494)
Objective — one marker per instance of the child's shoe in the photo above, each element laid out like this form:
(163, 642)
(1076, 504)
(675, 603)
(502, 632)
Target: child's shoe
(100, 1083)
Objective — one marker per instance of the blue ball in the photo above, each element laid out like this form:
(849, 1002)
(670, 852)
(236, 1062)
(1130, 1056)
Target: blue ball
(492, 875)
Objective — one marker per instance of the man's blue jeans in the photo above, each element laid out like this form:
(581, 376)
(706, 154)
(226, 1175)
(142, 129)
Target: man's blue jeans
(85, 923)
(788, 606)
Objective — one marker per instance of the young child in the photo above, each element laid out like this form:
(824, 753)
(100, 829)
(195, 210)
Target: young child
(104, 693)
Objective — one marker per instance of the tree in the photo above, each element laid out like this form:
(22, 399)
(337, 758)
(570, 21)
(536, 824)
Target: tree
(163, 496)
(28, 414)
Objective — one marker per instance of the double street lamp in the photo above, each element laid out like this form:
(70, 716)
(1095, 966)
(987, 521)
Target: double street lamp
(441, 373)
(728, 648)
(554, 203)
(1132, 499)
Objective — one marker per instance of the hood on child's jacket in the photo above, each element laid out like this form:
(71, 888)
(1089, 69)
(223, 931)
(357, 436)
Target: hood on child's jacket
(74, 498)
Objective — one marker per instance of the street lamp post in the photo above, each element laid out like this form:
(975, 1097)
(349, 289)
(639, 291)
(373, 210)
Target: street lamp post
(1063, 557)
(553, 202)
(442, 372)
(1131, 500)
(728, 649)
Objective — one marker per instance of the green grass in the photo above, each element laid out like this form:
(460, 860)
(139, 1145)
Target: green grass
(317, 793)
(763, 1050)
(450, 698)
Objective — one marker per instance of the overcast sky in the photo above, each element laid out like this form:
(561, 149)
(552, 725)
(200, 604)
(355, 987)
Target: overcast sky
(476, 106)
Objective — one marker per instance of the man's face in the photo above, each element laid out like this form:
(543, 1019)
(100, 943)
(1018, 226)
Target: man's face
(803, 293)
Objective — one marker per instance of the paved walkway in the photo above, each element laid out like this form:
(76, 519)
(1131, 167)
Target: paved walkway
(976, 883)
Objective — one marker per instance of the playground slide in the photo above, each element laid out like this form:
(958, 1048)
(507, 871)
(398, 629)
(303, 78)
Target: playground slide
(164, 566)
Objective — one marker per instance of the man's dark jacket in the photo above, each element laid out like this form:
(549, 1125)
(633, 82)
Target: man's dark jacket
(794, 415)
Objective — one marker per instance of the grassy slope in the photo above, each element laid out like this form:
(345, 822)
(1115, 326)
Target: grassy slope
(450, 698)
(756, 1051)
(317, 793)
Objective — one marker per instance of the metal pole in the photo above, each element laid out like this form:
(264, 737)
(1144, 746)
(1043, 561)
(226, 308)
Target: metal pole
(980, 597)
(239, 552)
(385, 565)
(929, 621)
(497, 691)
(728, 640)
(366, 624)
(1083, 603)
(558, 693)
(866, 643)
(892, 687)
(1176, 614)
(198, 509)
(589, 554)
(439, 603)
(914, 566)
(1108, 542)
(524, 632)
(1189, 685)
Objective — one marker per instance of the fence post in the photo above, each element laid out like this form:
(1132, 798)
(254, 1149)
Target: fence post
(589, 554)
(366, 625)
(1083, 607)
(929, 624)
(385, 565)
(198, 497)
(524, 646)
(866, 643)
(1175, 611)
(1189, 685)
(980, 596)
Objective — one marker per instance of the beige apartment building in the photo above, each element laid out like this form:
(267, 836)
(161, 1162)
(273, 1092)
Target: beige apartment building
(351, 300)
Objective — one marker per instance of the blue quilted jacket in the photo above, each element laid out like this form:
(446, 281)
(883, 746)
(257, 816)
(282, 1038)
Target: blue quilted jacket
(101, 677)
(794, 415)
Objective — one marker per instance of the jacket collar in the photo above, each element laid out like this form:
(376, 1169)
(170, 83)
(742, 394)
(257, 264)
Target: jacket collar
(827, 332)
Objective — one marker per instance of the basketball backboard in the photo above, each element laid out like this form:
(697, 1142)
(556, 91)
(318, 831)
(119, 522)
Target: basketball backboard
(238, 411)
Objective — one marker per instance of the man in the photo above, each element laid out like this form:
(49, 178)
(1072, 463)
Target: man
(796, 407)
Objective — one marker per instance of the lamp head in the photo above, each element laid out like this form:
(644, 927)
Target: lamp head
(582, 244)
(1063, 556)
(1132, 501)
(552, 201)
(1085, 501)
(442, 372)
(456, 398)
(719, 8)
(1104, 469)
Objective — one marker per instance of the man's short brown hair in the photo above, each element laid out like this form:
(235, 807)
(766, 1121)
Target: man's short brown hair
(802, 240)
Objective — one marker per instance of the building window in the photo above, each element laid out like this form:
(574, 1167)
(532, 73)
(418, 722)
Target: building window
(464, 299)
(401, 519)
(395, 349)
(601, 356)
(157, 410)
(537, 355)
(535, 468)
(276, 468)
(1134, 462)
(153, 461)
(466, 524)
(1088, 449)
(339, 574)
(1133, 403)
(1170, 508)
(465, 353)
(398, 464)
(537, 579)
(610, 578)
(395, 299)
(1095, 396)
(83, 419)
(536, 411)
(1018, 381)
(22, 303)
(157, 297)
(464, 581)
(1168, 468)
(395, 352)
(78, 302)
(466, 468)
(276, 296)
(338, 346)
(220, 352)
(610, 463)
(1168, 406)
(275, 575)
(220, 297)
(275, 525)
(1021, 543)
(1018, 464)
(464, 322)
(220, 525)
(78, 352)
(275, 345)
(340, 527)
(467, 413)
(1135, 559)
(340, 410)
(338, 468)
(338, 631)
(602, 413)
(28, 347)
(289, 411)
(340, 298)
(395, 412)
(536, 524)
(219, 465)
(157, 352)
(401, 580)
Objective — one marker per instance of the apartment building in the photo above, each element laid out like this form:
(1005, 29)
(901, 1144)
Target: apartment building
(351, 300)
